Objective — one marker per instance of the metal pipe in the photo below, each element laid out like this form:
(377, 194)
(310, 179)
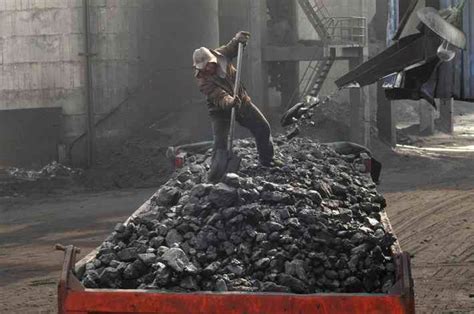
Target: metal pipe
(88, 87)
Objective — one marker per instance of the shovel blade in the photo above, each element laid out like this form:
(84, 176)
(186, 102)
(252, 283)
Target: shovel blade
(223, 162)
(234, 164)
(218, 166)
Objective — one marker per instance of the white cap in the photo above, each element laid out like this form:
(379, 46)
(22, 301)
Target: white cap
(203, 56)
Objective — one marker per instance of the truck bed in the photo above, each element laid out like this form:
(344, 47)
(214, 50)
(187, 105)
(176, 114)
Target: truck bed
(74, 298)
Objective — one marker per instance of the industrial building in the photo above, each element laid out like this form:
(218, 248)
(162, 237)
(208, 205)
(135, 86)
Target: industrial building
(156, 157)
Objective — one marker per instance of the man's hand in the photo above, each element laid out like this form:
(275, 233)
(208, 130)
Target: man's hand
(236, 103)
(242, 36)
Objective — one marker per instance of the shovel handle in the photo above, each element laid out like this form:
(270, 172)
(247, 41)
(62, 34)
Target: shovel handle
(230, 140)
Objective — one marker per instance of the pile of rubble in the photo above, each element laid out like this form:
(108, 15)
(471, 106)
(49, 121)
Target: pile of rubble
(138, 163)
(51, 178)
(52, 170)
(312, 225)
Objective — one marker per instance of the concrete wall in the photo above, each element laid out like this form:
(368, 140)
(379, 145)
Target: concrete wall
(41, 68)
(141, 70)
(233, 17)
(40, 65)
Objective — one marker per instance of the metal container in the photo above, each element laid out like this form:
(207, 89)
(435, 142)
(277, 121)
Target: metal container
(74, 298)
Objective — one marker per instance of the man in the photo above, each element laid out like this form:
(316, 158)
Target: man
(216, 79)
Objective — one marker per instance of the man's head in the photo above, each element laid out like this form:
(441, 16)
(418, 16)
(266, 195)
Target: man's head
(205, 61)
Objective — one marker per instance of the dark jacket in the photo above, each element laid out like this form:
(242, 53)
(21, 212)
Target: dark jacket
(220, 90)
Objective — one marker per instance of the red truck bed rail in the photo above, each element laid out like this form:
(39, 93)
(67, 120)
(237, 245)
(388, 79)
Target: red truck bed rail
(74, 298)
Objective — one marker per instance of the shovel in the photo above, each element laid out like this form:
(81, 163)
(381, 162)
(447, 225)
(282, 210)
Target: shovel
(226, 161)
(233, 163)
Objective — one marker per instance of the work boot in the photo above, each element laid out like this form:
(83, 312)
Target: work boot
(273, 163)
(278, 163)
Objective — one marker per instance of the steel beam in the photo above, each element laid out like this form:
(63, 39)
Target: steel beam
(359, 108)
(446, 119)
(88, 87)
(258, 68)
(386, 123)
(292, 53)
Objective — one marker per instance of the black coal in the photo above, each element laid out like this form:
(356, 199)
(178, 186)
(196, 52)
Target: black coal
(310, 225)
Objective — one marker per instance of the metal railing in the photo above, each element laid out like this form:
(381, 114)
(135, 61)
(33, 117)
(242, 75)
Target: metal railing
(320, 8)
(347, 31)
(335, 31)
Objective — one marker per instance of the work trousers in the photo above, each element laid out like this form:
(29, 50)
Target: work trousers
(250, 117)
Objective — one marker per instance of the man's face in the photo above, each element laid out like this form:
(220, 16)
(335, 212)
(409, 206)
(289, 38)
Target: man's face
(210, 69)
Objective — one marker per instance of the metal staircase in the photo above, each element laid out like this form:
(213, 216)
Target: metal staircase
(320, 75)
(318, 16)
(314, 77)
(333, 32)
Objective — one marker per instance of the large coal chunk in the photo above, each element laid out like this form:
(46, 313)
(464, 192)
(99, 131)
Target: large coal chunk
(134, 270)
(178, 261)
(168, 196)
(293, 283)
(223, 195)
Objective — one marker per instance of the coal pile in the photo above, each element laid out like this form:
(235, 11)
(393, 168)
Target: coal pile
(310, 225)
(139, 163)
(51, 178)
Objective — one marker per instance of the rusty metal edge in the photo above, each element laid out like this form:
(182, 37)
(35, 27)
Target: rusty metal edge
(404, 285)
(395, 248)
(67, 280)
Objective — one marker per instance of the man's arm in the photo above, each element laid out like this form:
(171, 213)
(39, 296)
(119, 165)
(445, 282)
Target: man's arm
(231, 49)
(216, 95)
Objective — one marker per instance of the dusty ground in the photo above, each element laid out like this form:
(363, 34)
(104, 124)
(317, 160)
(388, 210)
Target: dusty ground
(435, 223)
(430, 194)
(29, 228)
